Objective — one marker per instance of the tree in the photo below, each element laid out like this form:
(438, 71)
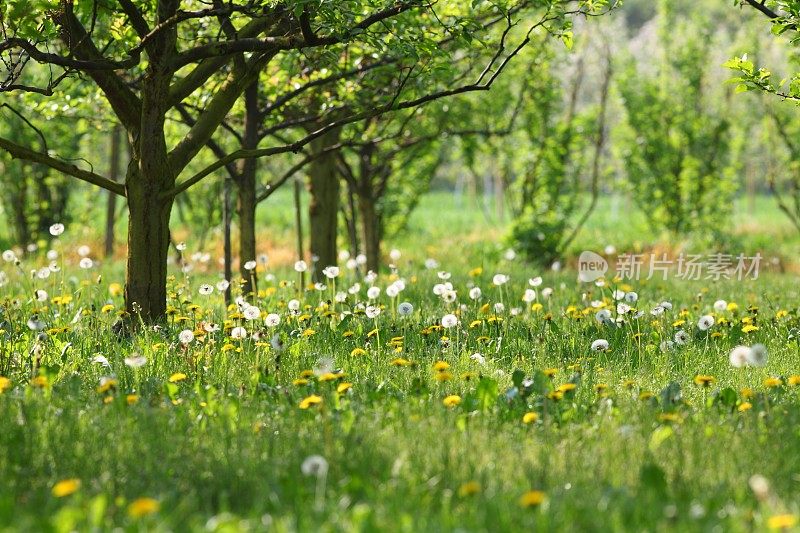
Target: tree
(147, 58)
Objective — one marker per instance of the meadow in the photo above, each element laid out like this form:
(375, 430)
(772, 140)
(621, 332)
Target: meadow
(409, 401)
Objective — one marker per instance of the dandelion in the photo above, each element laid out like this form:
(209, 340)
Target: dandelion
(405, 309)
(469, 488)
(223, 284)
(602, 316)
(530, 417)
(135, 361)
(330, 272)
(782, 521)
(535, 282)
(141, 507)
(56, 229)
(394, 255)
(631, 297)
(529, 296)
(704, 380)
(205, 289)
(272, 320)
(5, 384)
(250, 265)
(314, 466)
(66, 487)
(449, 321)
(681, 337)
(499, 279)
(532, 498)
(238, 333)
(475, 293)
(600, 345)
(757, 355)
(373, 292)
(186, 336)
(310, 401)
(705, 322)
(452, 401)
(372, 311)
(740, 356)
(391, 291)
(251, 312)
(749, 328)
(86, 263)
(720, 306)
(431, 264)
(771, 383)
(478, 358)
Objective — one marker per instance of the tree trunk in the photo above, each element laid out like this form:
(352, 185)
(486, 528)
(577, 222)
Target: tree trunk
(226, 245)
(298, 219)
(370, 225)
(148, 245)
(113, 173)
(247, 192)
(323, 209)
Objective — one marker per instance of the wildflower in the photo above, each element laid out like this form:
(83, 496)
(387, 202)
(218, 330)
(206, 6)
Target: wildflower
(744, 406)
(705, 322)
(478, 358)
(469, 488)
(358, 351)
(757, 355)
(499, 279)
(372, 311)
(238, 333)
(449, 320)
(740, 356)
(532, 498)
(310, 401)
(793, 381)
(704, 380)
(135, 361)
(441, 366)
(529, 296)
(452, 400)
(177, 377)
(405, 309)
(5, 384)
(330, 272)
(681, 337)
(344, 387)
(530, 417)
(300, 266)
(56, 229)
(401, 362)
(720, 306)
(251, 312)
(600, 345)
(748, 328)
(535, 282)
(186, 336)
(782, 521)
(771, 383)
(443, 376)
(66, 487)
(314, 465)
(142, 507)
(272, 320)
(631, 297)
(475, 293)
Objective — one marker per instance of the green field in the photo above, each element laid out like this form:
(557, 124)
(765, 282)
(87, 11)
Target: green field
(415, 434)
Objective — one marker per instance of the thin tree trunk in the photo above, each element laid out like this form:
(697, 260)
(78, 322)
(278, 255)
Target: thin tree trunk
(324, 206)
(298, 218)
(247, 193)
(113, 174)
(370, 226)
(226, 233)
(352, 224)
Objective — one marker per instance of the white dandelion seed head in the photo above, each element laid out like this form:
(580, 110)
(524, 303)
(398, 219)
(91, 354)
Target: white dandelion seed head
(84, 250)
(361, 259)
(478, 358)
(443, 275)
(529, 296)
(272, 320)
(250, 265)
(449, 320)
(395, 255)
(547, 292)
(720, 306)
(330, 272)
(86, 263)
(392, 290)
(372, 311)
(631, 297)
(705, 322)
(758, 355)
(205, 289)
(475, 293)
(373, 292)
(40, 295)
(56, 229)
(238, 333)
(739, 356)
(9, 256)
(251, 312)
(600, 345)
(405, 308)
(535, 282)
(618, 294)
(499, 307)
(499, 279)
(431, 264)
(340, 297)
(135, 361)
(681, 337)
(223, 284)
(186, 336)
(344, 255)
(602, 315)
(293, 305)
(314, 466)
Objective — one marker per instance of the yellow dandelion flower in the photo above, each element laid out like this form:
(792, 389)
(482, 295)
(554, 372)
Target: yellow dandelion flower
(132, 399)
(745, 406)
(782, 521)
(344, 387)
(550, 372)
(441, 366)
(452, 400)
(40, 382)
(358, 351)
(142, 507)
(678, 323)
(530, 417)
(555, 395)
(733, 306)
(300, 382)
(5, 384)
(308, 332)
(537, 307)
(792, 381)
(781, 313)
(177, 377)
(704, 380)
(749, 327)
(746, 393)
(470, 488)
(348, 334)
(477, 271)
(645, 395)
(107, 308)
(532, 498)
(66, 487)
(566, 387)
(310, 401)
(773, 382)
(115, 289)
(443, 376)
(475, 323)
(306, 373)
(107, 385)
(401, 362)
(330, 376)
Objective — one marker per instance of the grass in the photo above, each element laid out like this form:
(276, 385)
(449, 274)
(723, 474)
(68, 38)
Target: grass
(212, 436)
